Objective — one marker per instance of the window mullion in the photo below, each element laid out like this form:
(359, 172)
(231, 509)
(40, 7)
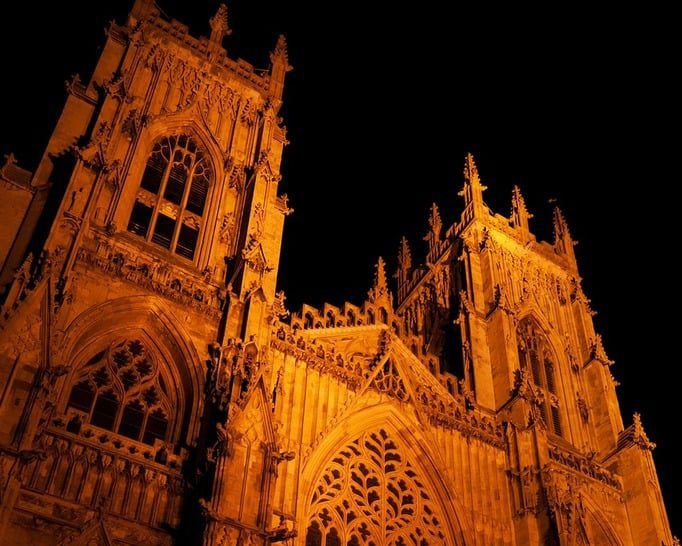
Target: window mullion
(94, 403)
(181, 207)
(159, 197)
(119, 414)
(143, 428)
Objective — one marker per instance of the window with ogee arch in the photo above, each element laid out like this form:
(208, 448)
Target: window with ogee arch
(171, 200)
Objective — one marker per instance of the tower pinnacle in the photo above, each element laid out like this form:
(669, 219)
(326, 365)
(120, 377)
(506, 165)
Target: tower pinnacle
(281, 53)
(404, 255)
(279, 60)
(379, 290)
(519, 212)
(219, 25)
(563, 242)
(472, 191)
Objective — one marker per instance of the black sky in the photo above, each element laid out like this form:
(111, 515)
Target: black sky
(569, 102)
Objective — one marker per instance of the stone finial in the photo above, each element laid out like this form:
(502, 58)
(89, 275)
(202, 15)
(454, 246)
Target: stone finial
(563, 242)
(142, 8)
(280, 54)
(435, 222)
(597, 351)
(279, 61)
(379, 289)
(10, 161)
(404, 255)
(639, 436)
(471, 175)
(219, 25)
(472, 191)
(519, 212)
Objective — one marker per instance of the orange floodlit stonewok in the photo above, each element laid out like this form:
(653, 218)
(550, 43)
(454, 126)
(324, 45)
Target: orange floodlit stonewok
(156, 390)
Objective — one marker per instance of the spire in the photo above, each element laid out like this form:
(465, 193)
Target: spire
(403, 274)
(471, 170)
(404, 255)
(563, 243)
(280, 54)
(379, 289)
(519, 212)
(472, 190)
(435, 223)
(219, 25)
(279, 59)
(433, 237)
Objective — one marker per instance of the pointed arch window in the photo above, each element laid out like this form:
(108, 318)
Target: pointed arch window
(171, 200)
(371, 493)
(122, 390)
(536, 355)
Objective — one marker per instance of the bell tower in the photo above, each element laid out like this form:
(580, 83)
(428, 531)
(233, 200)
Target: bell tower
(155, 212)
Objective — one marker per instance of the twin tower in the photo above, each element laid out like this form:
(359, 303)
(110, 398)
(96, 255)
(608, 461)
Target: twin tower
(155, 390)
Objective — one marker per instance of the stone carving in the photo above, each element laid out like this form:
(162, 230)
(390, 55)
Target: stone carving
(226, 233)
(392, 504)
(160, 278)
(585, 465)
(388, 381)
(639, 436)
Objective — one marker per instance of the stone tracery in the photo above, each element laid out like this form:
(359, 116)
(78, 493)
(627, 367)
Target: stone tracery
(371, 494)
(536, 355)
(121, 389)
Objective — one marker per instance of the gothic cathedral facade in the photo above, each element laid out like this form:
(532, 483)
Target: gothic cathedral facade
(155, 390)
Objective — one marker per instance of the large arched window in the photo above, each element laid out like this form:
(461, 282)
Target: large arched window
(372, 493)
(121, 389)
(169, 206)
(536, 355)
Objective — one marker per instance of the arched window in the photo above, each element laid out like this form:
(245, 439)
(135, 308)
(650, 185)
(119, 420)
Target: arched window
(170, 202)
(371, 492)
(122, 390)
(536, 355)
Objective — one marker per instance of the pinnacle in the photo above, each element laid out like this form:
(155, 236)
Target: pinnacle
(470, 169)
(560, 225)
(404, 254)
(219, 24)
(380, 281)
(281, 46)
(519, 213)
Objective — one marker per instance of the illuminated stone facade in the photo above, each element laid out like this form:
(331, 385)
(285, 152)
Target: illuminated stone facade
(154, 388)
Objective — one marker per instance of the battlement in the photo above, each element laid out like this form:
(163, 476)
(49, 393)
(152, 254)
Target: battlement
(202, 48)
(331, 316)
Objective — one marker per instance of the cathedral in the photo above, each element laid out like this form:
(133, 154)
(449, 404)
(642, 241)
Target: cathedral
(156, 390)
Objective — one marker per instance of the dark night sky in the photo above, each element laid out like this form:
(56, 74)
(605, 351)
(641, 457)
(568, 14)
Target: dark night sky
(569, 103)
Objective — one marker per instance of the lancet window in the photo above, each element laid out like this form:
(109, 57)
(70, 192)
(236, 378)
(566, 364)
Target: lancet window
(536, 355)
(171, 200)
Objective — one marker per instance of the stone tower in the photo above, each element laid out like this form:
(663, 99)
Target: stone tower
(155, 390)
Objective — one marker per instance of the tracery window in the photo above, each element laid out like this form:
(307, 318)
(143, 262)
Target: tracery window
(371, 494)
(170, 202)
(536, 355)
(121, 389)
